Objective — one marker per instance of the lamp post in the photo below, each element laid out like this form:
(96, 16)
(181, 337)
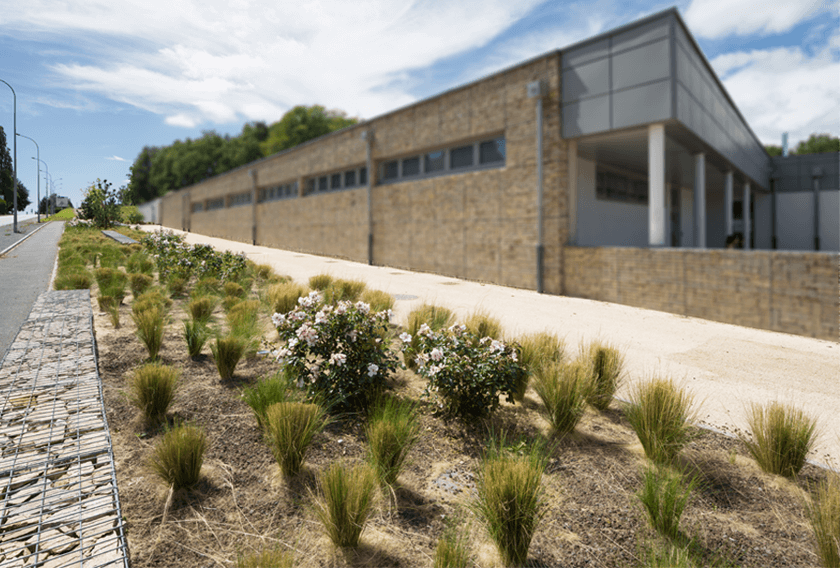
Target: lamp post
(14, 127)
(40, 161)
(38, 202)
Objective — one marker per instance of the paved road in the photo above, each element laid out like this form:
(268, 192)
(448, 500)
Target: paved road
(10, 219)
(9, 238)
(24, 273)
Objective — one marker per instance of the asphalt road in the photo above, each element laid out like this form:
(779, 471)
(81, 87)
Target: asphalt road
(24, 273)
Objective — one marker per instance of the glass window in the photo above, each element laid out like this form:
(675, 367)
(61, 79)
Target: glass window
(390, 170)
(196, 207)
(363, 176)
(322, 183)
(217, 203)
(491, 151)
(411, 167)
(461, 157)
(310, 186)
(335, 182)
(611, 186)
(434, 161)
(350, 178)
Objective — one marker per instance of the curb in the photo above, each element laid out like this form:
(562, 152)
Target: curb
(7, 249)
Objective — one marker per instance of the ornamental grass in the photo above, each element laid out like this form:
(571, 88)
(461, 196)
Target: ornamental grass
(824, 515)
(201, 308)
(227, 352)
(481, 324)
(139, 283)
(379, 301)
(391, 431)
(177, 458)
(150, 323)
(606, 364)
(782, 436)
(196, 335)
(234, 289)
(79, 279)
(152, 389)
(536, 350)
(664, 497)
(661, 414)
(436, 317)
(290, 428)
(273, 558)
(346, 501)
(343, 290)
(140, 262)
(278, 387)
(283, 297)
(562, 388)
(451, 551)
(320, 282)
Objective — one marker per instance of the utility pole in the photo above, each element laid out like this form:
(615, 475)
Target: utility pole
(38, 202)
(14, 127)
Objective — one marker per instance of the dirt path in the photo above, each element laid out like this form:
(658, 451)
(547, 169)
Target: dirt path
(727, 366)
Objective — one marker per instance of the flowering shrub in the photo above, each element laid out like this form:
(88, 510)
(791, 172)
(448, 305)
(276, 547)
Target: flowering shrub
(336, 352)
(175, 257)
(466, 374)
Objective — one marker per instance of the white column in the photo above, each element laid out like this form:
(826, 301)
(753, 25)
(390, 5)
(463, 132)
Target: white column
(727, 202)
(746, 210)
(657, 214)
(573, 191)
(700, 200)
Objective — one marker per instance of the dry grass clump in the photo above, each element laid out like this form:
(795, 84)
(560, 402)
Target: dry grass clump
(661, 413)
(268, 391)
(177, 458)
(782, 436)
(150, 324)
(606, 364)
(151, 298)
(379, 301)
(664, 497)
(482, 324)
(111, 282)
(510, 499)
(347, 290)
(320, 282)
(152, 389)
(392, 430)
(346, 502)
(824, 516)
(436, 317)
(207, 286)
(535, 350)
(283, 297)
(273, 558)
(234, 289)
(290, 428)
(139, 283)
(79, 279)
(451, 551)
(201, 308)
(562, 387)
(227, 352)
(196, 335)
(140, 262)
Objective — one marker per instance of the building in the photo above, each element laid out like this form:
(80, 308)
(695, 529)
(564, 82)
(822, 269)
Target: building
(614, 169)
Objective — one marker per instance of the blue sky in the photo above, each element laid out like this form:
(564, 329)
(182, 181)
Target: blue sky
(96, 80)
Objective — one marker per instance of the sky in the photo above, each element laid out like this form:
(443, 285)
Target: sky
(96, 80)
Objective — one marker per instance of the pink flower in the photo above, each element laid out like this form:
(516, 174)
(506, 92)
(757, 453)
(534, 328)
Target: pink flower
(338, 359)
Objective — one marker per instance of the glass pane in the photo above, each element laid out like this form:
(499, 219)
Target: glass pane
(335, 182)
(322, 183)
(434, 161)
(310, 186)
(411, 167)
(491, 151)
(389, 170)
(363, 176)
(461, 157)
(350, 178)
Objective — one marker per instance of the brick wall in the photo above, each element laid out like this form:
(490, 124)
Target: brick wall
(781, 291)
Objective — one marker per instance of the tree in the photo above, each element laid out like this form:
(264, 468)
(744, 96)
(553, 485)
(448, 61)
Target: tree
(7, 176)
(140, 188)
(818, 144)
(100, 205)
(302, 124)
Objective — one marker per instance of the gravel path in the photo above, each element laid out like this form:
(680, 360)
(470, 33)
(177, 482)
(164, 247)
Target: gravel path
(727, 366)
(24, 273)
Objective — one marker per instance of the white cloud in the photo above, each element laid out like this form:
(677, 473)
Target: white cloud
(214, 61)
(719, 18)
(784, 90)
(116, 158)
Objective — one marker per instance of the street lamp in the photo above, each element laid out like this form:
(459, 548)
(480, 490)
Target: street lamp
(40, 161)
(38, 202)
(14, 127)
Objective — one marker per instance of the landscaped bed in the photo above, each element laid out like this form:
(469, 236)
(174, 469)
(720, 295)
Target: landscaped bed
(243, 505)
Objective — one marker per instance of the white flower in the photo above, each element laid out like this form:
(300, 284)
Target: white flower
(513, 356)
(405, 337)
(433, 370)
(496, 346)
(338, 359)
(352, 335)
(278, 319)
(373, 369)
(307, 334)
(341, 309)
(293, 342)
(421, 359)
(320, 317)
(425, 329)
(436, 354)
(363, 307)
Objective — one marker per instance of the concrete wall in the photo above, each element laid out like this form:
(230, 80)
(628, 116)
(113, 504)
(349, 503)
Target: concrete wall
(607, 223)
(150, 211)
(780, 291)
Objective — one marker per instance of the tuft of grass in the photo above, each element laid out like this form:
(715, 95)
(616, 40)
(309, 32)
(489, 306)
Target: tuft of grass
(176, 285)
(268, 391)
(227, 352)
(111, 282)
(234, 289)
(482, 324)
(348, 290)
(824, 516)
(664, 497)
(782, 436)
(151, 298)
(207, 286)
(391, 431)
(139, 283)
(562, 387)
(150, 324)
(606, 363)
(201, 308)
(536, 350)
(243, 322)
(283, 297)
(435, 317)
(451, 551)
(379, 301)
(668, 556)
(78, 280)
(196, 335)
(661, 414)
(177, 458)
(140, 262)
(114, 313)
(273, 558)
(347, 498)
(265, 272)
(290, 428)
(510, 499)
(320, 282)
(152, 389)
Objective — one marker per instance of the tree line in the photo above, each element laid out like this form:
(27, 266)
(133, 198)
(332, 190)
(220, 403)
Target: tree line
(815, 144)
(161, 169)
(7, 184)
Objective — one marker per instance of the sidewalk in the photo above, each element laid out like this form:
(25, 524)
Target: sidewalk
(728, 367)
